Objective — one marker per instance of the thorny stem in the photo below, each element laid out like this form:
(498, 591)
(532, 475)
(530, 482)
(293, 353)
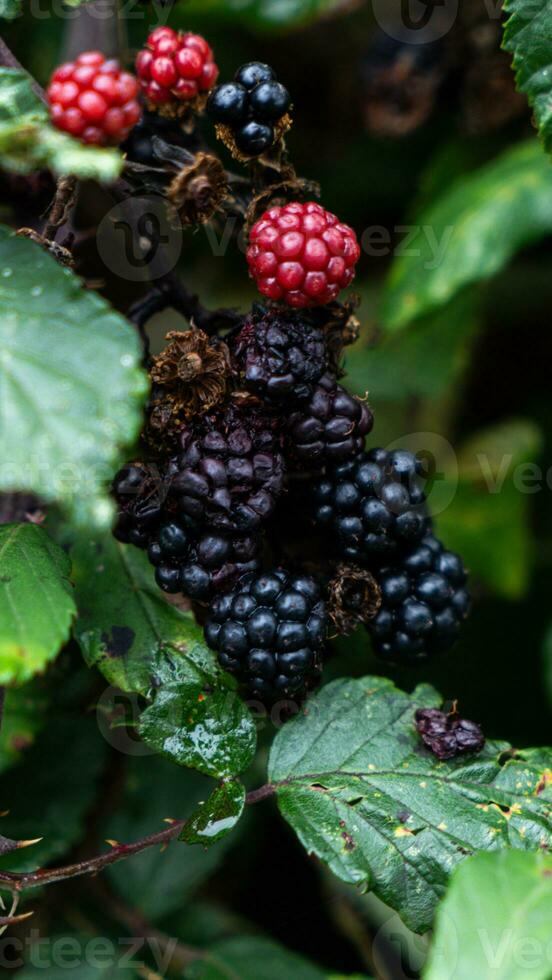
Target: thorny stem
(14, 881)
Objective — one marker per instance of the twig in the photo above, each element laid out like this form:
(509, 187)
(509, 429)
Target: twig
(62, 204)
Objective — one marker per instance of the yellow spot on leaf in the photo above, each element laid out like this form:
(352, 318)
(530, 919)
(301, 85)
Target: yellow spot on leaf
(403, 832)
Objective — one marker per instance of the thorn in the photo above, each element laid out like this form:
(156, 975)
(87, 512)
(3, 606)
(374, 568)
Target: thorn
(113, 843)
(29, 843)
(163, 848)
(170, 820)
(4, 813)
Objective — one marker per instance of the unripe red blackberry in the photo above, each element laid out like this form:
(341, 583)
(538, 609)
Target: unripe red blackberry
(94, 99)
(424, 602)
(175, 70)
(270, 631)
(230, 472)
(280, 356)
(330, 428)
(302, 255)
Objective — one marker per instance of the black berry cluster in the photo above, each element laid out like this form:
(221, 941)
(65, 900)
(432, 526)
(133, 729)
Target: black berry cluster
(257, 497)
(270, 631)
(448, 735)
(424, 602)
(251, 107)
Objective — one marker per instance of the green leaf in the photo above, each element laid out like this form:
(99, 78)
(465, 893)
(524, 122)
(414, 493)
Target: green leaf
(142, 644)
(363, 795)
(36, 601)
(198, 722)
(72, 386)
(488, 519)
(528, 36)
(471, 232)
(547, 655)
(159, 883)
(494, 923)
(22, 718)
(252, 958)
(55, 787)
(29, 142)
(125, 625)
(421, 362)
(215, 818)
(10, 9)
(90, 956)
(264, 13)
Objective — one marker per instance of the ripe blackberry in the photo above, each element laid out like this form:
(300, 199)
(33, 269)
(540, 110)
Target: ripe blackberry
(448, 735)
(330, 428)
(301, 254)
(230, 472)
(138, 491)
(424, 601)
(176, 71)
(199, 565)
(251, 112)
(373, 505)
(93, 99)
(270, 632)
(280, 357)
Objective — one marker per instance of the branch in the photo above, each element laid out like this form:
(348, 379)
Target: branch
(20, 881)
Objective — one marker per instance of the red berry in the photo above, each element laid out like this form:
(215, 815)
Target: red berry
(174, 67)
(93, 99)
(301, 254)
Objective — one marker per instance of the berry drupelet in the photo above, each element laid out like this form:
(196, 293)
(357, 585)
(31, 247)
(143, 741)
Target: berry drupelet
(230, 472)
(448, 736)
(270, 631)
(94, 99)
(424, 601)
(302, 255)
(331, 427)
(279, 356)
(175, 70)
(251, 109)
(373, 505)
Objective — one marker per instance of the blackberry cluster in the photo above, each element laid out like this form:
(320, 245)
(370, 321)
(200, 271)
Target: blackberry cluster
(257, 497)
(330, 428)
(251, 107)
(424, 602)
(270, 631)
(373, 505)
(280, 357)
(449, 735)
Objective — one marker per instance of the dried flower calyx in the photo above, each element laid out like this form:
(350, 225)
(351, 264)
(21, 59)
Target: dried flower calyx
(188, 378)
(198, 189)
(354, 598)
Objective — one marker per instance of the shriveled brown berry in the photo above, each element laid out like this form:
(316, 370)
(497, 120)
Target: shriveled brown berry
(198, 190)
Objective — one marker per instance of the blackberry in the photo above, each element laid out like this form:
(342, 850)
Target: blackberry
(252, 111)
(373, 505)
(330, 428)
(424, 602)
(280, 356)
(230, 472)
(448, 735)
(270, 632)
(138, 491)
(201, 565)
